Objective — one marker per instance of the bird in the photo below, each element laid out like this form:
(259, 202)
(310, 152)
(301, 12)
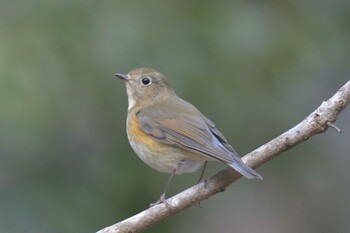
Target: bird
(170, 134)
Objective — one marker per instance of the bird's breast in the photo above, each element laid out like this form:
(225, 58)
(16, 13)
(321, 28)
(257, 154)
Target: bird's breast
(159, 156)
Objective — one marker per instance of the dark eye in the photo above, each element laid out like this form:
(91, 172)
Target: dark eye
(146, 81)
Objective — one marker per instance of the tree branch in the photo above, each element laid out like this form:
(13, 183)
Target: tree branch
(317, 122)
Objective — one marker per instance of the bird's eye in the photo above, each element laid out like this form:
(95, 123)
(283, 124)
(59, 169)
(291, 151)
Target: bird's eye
(146, 81)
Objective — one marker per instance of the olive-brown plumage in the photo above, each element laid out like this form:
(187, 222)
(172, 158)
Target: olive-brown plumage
(170, 134)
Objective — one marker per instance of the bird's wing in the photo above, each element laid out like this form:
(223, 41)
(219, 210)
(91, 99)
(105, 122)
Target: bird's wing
(188, 131)
(219, 135)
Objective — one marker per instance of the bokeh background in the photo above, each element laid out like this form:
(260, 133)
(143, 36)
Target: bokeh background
(255, 68)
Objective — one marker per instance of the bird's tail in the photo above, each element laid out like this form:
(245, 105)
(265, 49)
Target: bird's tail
(245, 171)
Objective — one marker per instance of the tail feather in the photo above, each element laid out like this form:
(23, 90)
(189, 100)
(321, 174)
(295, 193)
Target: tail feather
(244, 170)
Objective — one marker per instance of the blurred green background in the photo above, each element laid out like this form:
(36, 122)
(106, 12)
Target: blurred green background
(255, 68)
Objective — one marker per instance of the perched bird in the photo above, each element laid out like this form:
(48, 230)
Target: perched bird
(170, 134)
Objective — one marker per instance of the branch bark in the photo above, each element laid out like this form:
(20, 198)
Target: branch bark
(317, 122)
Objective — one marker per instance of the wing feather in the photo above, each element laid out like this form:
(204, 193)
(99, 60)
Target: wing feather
(188, 132)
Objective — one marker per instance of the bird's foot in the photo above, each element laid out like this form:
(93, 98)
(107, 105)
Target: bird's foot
(161, 200)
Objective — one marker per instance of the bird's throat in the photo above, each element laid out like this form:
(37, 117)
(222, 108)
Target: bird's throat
(131, 99)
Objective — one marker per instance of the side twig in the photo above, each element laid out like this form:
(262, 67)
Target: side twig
(317, 122)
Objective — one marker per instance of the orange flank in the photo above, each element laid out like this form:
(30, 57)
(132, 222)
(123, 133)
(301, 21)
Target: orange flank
(139, 136)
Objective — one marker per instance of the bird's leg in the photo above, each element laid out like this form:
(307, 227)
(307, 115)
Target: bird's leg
(162, 198)
(201, 179)
(202, 173)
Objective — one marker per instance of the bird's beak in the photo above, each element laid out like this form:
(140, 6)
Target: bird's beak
(123, 77)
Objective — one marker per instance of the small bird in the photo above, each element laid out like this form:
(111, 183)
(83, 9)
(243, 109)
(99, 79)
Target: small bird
(168, 133)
